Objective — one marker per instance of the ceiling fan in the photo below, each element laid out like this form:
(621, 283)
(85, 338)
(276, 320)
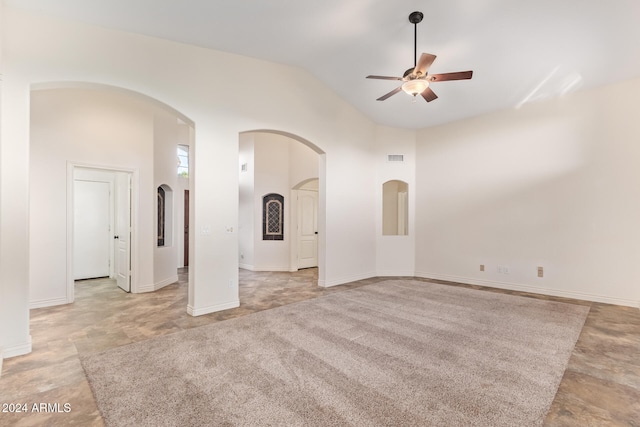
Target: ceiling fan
(416, 79)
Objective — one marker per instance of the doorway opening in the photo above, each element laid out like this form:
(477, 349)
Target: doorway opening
(281, 203)
(109, 129)
(100, 225)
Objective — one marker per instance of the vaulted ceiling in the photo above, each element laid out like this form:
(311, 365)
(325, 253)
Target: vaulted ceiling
(519, 51)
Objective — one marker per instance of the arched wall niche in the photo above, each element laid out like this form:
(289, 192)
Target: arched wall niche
(395, 208)
(164, 222)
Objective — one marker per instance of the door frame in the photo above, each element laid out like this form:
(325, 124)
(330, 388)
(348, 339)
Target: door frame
(185, 228)
(71, 167)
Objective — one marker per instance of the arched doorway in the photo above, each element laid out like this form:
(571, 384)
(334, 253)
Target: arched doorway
(81, 126)
(274, 162)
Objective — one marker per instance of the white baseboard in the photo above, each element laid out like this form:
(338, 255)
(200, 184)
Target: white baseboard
(395, 273)
(252, 268)
(50, 302)
(345, 279)
(16, 350)
(529, 288)
(155, 286)
(212, 308)
(270, 268)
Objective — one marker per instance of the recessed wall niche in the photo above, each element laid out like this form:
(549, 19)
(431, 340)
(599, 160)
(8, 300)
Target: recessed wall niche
(395, 208)
(273, 217)
(165, 216)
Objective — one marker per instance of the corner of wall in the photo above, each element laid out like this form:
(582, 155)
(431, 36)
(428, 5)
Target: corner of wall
(17, 350)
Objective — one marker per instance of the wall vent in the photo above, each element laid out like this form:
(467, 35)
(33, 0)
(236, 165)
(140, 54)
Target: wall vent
(244, 167)
(395, 157)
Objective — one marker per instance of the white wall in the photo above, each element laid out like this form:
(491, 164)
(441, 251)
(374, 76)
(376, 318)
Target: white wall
(14, 211)
(168, 132)
(395, 255)
(246, 201)
(194, 81)
(271, 160)
(89, 128)
(552, 184)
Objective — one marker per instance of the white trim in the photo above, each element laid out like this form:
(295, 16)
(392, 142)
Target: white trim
(399, 273)
(17, 350)
(47, 302)
(272, 268)
(155, 286)
(212, 308)
(246, 267)
(345, 279)
(532, 289)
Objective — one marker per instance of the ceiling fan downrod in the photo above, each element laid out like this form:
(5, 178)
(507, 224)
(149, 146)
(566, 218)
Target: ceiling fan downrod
(415, 18)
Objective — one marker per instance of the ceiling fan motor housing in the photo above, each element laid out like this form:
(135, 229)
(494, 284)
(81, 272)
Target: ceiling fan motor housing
(416, 17)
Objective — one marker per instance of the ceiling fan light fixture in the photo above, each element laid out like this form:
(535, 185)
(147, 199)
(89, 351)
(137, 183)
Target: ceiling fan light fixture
(415, 87)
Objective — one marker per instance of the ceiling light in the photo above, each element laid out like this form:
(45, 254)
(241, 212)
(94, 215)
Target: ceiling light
(415, 87)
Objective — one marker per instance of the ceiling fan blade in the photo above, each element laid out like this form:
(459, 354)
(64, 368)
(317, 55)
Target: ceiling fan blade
(393, 92)
(460, 75)
(384, 78)
(424, 63)
(429, 95)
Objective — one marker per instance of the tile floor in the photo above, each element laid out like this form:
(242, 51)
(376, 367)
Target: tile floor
(601, 386)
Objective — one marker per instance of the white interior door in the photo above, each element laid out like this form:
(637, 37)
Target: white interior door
(307, 229)
(91, 229)
(123, 230)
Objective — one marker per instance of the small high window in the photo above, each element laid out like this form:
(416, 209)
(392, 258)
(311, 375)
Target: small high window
(183, 161)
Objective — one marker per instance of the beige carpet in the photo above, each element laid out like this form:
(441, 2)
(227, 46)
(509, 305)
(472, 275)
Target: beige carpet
(394, 353)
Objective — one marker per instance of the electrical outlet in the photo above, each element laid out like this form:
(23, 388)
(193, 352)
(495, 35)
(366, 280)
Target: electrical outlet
(500, 269)
(505, 269)
(481, 267)
(231, 283)
(540, 272)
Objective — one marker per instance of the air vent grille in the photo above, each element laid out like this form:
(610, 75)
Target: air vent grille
(395, 157)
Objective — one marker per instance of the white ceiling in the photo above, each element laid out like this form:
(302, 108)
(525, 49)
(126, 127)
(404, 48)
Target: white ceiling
(519, 51)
